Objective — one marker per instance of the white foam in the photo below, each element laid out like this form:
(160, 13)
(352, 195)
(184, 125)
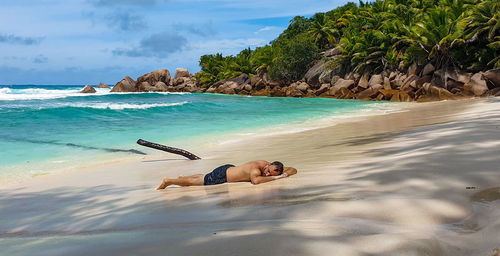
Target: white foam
(119, 106)
(5, 90)
(46, 94)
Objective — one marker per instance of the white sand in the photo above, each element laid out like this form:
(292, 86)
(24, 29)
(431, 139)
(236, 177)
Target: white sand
(387, 185)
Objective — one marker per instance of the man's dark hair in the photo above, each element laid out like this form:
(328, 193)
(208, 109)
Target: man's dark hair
(279, 166)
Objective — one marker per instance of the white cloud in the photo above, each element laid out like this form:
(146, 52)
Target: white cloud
(266, 28)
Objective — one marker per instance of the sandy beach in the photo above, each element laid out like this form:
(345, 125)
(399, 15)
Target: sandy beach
(421, 181)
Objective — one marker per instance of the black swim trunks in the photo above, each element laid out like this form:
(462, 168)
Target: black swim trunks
(217, 176)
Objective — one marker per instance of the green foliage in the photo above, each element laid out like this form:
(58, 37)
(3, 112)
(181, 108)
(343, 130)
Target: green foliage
(293, 57)
(375, 36)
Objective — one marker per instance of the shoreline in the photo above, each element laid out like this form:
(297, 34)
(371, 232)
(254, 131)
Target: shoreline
(387, 184)
(209, 142)
(196, 142)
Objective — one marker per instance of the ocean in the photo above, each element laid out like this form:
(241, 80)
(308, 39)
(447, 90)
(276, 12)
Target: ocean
(46, 128)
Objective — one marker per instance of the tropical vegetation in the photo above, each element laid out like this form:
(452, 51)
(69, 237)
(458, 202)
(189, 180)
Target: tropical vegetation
(373, 37)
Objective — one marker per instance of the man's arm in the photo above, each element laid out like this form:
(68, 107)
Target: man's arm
(289, 171)
(257, 178)
(261, 179)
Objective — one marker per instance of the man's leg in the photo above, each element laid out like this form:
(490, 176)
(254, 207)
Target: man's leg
(193, 180)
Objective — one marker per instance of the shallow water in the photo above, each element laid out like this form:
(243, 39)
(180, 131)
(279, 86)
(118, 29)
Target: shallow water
(48, 128)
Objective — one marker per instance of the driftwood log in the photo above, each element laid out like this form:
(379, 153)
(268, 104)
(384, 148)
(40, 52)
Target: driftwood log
(172, 150)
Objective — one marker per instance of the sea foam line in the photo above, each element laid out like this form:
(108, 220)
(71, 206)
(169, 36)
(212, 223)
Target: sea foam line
(121, 106)
(7, 94)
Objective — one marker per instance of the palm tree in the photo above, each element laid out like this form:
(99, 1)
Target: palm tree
(322, 30)
(484, 21)
(262, 58)
(436, 36)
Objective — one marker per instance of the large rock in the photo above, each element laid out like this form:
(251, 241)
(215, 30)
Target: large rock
(476, 85)
(181, 72)
(421, 81)
(409, 79)
(241, 79)
(401, 96)
(345, 94)
(458, 76)
(452, 84)
(392, 75)
(388, 93)
(262, 73)
(88, 89)
(146, 87)
(313, 74)
(275, 83)
(292, 91)
(495, 92)
(412, 69)
(211, 89)
(103, 85)
(157, 87)
(367, 94)
(429, 92)
(278, 92)
(428, 69)
(326, 77)
(493, 77)
(387, 83)
(303, 87)
(264, 92)
(181, 81)
(246, 87)
(363, 81)
(375, 79)
(190, 87)
(341, 83)
(228, 87)
(324, 88)
(161, 86)
(160, 75)
(127, 84)
(257, 82)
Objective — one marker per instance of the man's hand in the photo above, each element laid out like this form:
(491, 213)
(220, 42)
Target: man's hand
(284, 175)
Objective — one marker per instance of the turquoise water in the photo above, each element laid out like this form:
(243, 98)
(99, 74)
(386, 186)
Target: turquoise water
(47, 127)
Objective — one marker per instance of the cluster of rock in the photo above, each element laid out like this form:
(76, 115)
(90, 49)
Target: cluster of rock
(418, 83)
(91, 89)
(156, 81)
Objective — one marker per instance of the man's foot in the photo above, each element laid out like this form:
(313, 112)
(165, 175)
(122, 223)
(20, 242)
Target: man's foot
(164, 184)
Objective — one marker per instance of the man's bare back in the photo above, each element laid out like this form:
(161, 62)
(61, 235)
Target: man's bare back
(257, 172)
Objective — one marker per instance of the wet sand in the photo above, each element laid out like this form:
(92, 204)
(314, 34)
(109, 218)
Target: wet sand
(424, 181)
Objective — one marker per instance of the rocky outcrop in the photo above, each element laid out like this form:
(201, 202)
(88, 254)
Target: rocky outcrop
(476, 85)
(312, 77)
(127, 84)
(341, 83)
(493, 78)
(181, 74)
(157, 87)
(160, 75)
(103, 85)
(421, 83)
(428, 69)
(88, 89)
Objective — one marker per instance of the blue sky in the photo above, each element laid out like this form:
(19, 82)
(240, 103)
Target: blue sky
(89, 41)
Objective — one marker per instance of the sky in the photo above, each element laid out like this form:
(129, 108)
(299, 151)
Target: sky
(77, 42)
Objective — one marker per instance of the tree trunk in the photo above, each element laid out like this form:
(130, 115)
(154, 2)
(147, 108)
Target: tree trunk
(172, 150)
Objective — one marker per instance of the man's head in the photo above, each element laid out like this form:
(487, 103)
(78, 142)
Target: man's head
(273, 169)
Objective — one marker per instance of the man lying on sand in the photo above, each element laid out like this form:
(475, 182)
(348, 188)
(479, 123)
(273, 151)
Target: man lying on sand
(257, 172)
